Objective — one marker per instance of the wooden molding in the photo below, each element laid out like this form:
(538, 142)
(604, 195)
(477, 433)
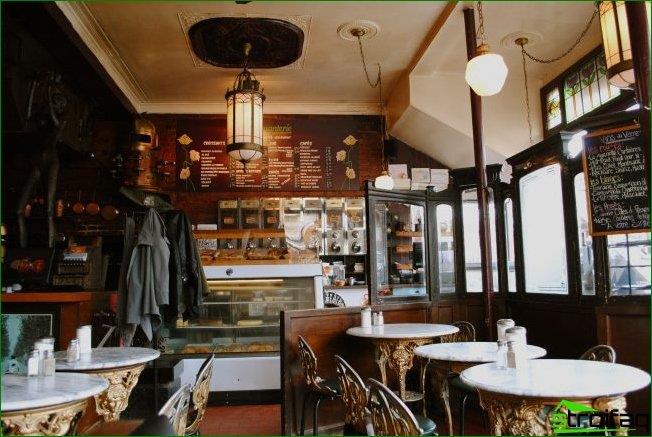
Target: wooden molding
(308, 108)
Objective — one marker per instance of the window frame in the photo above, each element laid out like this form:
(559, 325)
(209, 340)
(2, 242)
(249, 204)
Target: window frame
(623, 101)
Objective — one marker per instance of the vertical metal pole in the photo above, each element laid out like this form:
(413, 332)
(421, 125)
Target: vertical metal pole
(481, 176)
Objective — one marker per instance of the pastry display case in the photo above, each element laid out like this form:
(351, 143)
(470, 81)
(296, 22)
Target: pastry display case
(398, 255)
(241, 312)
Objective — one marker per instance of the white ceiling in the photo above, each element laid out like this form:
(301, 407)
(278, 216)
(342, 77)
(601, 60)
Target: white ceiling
(149, 39)
(143, 47)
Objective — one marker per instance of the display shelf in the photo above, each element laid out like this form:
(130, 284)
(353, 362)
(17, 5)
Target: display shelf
(255, 262)
(408, 234)
(267, 302)
(239, 233)
(264, 325)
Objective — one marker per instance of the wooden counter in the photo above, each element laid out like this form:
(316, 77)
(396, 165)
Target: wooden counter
(69, 309)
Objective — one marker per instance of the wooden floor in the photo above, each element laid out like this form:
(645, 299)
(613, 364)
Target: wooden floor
(266, 420)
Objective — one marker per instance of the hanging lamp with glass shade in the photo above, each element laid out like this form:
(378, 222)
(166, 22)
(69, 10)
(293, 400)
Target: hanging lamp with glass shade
(486, 72)
(244, 116)
(616, 44)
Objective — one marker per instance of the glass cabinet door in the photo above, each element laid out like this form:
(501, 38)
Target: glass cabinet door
(399, 251)
(241, 315)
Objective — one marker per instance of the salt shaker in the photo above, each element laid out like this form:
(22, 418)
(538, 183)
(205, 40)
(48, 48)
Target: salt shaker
(502, 325)
(74, 352)
(381, 318)
(374, 319)
(48, 363)
(501, 354)
(365, 317)
(33, 363)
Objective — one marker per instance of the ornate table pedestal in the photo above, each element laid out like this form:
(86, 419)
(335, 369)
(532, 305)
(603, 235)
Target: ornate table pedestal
(398, 353)
(524, 415)
(114, 400)
(54, 420)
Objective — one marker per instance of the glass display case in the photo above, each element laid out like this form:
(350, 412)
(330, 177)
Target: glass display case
(241, 313)
(397, 234)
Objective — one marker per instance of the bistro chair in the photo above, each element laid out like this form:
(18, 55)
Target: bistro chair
(199, 397)
(390, 415)
(333, 300)
(355, 396)
(466, 333)
(601, 352)
(176, 410)
(317, 388)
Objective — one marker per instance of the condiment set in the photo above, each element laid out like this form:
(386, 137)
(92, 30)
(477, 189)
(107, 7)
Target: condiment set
(41, 361)
(369, 318)
(512, 345)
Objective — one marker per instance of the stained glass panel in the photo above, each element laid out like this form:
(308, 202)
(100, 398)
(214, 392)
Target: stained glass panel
(587, 88)
(553, 109)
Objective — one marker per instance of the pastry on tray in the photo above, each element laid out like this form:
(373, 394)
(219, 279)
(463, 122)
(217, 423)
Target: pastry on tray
(250, 322)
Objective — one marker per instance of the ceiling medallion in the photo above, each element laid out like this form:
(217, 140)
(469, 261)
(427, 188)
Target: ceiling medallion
(274, 43)
(364, 28)
(510, 41)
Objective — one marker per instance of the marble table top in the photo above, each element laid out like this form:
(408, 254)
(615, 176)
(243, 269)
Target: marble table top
(20, 392)
(403, 330)
(106, 358)
(469, 352)
(558, 379)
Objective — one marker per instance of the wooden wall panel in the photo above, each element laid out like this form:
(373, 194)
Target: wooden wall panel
(626, 328)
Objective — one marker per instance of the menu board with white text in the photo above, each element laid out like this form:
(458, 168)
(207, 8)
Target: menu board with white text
(300, 153)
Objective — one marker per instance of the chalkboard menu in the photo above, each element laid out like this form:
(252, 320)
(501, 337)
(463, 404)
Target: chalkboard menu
(300, 153)
(616, 170)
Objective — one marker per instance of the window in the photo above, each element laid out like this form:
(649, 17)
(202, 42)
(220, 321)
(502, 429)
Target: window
(629, 264)
(587, 88)
(471, 227)
(446, 249)
(578, 91)
(553, 108)
(508, 211)
(544, 244)
(584, 240)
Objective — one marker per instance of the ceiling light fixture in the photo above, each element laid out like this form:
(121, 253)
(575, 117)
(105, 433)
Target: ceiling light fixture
(383, 181)
(616, 44)
(244, 116)
(486, 72)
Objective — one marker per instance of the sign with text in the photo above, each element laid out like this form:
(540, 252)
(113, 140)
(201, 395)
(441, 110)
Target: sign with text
(616, 171)
(300, 153)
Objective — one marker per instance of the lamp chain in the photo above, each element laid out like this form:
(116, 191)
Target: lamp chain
(481, 25)
(522, 41)
(373, 84)
(570, 49)
(527, 92)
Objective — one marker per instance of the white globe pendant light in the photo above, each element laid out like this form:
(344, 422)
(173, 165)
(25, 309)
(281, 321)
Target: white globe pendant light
(486, 72)
(384, 181)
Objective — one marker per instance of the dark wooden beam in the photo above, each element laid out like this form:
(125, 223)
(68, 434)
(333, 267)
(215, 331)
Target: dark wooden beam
(481, 175)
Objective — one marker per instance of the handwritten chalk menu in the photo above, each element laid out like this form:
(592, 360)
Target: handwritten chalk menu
(300, 153)
(616, 171)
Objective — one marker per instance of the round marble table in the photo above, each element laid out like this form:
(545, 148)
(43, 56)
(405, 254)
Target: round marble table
(395, 343)
(46, 405)
(120, 366)
(520, 401)
(452, 358)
